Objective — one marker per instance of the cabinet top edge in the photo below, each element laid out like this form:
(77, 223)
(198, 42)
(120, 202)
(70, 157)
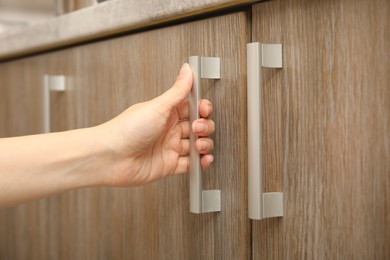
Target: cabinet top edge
(103, 20)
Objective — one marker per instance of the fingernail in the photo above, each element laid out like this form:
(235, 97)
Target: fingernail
(184, 70)
(211, 158)
(199, 128)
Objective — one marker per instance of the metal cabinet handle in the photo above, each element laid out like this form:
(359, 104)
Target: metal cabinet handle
(260, 204)
(201, 201)
(50, 83)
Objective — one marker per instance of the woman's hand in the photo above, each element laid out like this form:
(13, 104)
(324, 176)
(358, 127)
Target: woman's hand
(150, 140)
(145, 143)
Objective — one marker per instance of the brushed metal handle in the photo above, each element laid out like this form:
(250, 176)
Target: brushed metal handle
(201, 201)
(50, 83)
(260, 204)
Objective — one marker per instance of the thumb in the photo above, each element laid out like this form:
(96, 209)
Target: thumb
(181, 89)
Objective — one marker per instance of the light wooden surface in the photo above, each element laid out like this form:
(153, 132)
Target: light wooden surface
(20, 114)
(150, 222)
(327, 129)
(20, 92)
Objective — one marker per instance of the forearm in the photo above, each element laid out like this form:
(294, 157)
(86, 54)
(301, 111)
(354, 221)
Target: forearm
(37, 166)
(146, 142)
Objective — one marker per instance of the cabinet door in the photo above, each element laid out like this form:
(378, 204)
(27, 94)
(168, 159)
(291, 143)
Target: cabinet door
(20, 114)
(153, 221)
(326, 129)
(21, 97)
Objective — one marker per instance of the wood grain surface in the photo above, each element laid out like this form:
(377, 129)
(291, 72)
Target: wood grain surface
(20, 114)
(153, 221)
(327, 129)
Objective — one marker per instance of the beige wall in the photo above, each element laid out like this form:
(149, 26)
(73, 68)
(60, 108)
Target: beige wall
(50, 6)
(32, 5)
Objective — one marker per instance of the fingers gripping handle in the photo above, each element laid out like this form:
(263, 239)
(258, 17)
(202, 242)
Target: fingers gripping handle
(201, 201)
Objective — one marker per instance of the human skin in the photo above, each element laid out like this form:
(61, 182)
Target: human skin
(146, 142)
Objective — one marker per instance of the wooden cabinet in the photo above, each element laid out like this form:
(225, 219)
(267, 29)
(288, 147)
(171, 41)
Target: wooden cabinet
(326, 119)
(20, 97)
(325, 144)
(154, 221)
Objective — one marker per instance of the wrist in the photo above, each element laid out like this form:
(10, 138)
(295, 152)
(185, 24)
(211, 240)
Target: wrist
(108, 159)
(100, 157)
(86, 158)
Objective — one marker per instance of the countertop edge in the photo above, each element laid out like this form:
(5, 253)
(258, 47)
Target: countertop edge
(103, 20)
